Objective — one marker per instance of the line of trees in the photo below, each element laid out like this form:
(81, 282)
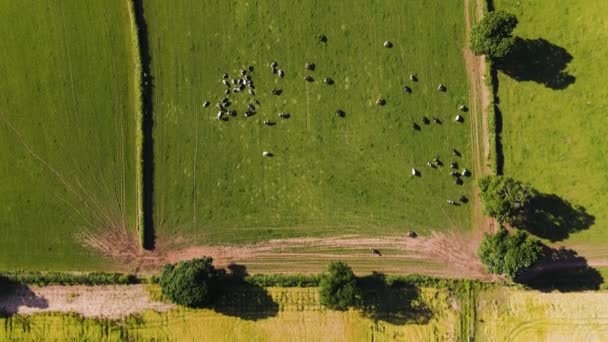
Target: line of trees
(509, 202)
(195, 284)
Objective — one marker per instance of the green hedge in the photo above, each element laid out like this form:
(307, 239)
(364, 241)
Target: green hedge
(496, 157)
(139, 113)
(284, 280)
(263, 280)
(60, 278)
(312, 280)
(438, 283)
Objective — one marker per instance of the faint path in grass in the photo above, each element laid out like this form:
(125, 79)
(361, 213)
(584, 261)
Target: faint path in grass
(112, 301)
(441, 254)
(479, 97)
(98, 215)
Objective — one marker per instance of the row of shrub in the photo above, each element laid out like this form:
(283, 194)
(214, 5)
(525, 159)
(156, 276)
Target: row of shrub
(491, 119)
(262, 280)
(139, 113)
(61, 278)
(284, 280)
(494, 121)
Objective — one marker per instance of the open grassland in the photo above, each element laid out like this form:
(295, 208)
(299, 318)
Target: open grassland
(554, 133)
(516, 315)
(67, 130)
(329, 175)
(292, 314)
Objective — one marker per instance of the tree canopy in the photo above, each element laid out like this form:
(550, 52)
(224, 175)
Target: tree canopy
(505, 198)
(509, 254)
(338, 289)
(190, 283)
(492, 36)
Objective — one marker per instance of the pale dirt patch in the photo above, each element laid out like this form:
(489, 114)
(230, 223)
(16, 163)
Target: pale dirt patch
(114, 301)
(122, 247)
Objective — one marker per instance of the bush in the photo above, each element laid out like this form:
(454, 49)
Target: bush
(191, 283)
(509, 255)
(338, 289)
(284, 280)
(505, 198)
(61, 278)
(492, 36)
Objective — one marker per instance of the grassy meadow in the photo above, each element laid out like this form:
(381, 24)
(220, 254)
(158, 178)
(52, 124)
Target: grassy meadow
(554, 118)
(67, 130)
(329, 175)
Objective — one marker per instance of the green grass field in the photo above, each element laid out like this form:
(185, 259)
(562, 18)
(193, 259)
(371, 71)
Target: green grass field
(329, 175)
(556, 138)
(67, 130)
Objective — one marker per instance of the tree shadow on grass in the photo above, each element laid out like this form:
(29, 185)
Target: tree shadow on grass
(563, 270)
(540, 61)
(399, 303)
(244, 300)
(14, 295)
(553, 218)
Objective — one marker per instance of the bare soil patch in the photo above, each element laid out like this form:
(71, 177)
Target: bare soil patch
(90, 301)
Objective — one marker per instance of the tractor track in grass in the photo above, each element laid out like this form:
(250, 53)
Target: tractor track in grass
(440, 254)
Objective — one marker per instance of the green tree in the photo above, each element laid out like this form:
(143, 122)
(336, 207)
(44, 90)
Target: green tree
(190, 283)
(338, 289)
(509, 254)
(505, 198)
(492, 36)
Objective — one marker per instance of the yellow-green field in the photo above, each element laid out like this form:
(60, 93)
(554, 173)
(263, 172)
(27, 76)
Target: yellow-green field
(498, 313)
(296, 317)
(507, 314)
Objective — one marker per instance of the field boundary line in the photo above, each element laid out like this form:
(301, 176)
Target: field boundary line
(479, 95)
(194, 166)
(138, 120)
(67, 50)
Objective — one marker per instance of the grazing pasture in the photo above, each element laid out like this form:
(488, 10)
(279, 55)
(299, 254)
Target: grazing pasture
(67, 130)
(553, 103)
(340, 162)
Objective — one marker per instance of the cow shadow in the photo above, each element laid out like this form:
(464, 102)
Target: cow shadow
(562, 270)
(241, 299)
(538, 60)
(14, 295)
(398, 303)
(553, 218)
